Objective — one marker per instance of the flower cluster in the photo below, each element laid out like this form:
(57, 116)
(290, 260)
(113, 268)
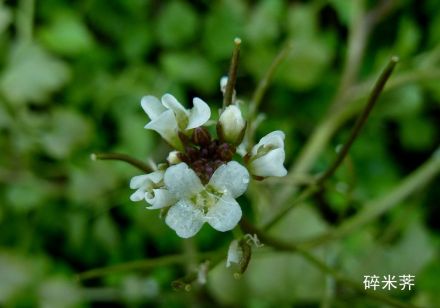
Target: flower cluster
(200, 181)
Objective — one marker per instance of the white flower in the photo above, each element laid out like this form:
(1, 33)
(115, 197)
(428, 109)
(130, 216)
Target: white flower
(213, 203)
(149, 187)
(235, 253)
(231, 125)
(267, 157)
(168, 116)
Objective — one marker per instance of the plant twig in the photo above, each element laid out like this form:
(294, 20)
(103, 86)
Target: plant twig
(261, 89)
(371, 210)
(377, 90)
(311, 189)
(232, 75)
(141, 265)
(338, 276)
(25, 19)
(329, 126)
(267, 78)
(289, 247)
(122, 157)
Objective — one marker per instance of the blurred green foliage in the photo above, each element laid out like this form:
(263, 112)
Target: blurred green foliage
(71, 78)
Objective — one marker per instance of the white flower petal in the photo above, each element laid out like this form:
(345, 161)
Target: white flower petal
(181, 113)
(199, 114)
(152, 106)
(159, 198)
(232, 177)
(275, 139)
(224, 215)
(270, 164)
(185, 219)
(182, 181)
(235, 253)
(138, 195)
(166, 126)
(138, 181)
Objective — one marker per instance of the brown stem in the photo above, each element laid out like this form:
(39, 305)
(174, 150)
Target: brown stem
(377, 90)
(232, 75)
(122, 157)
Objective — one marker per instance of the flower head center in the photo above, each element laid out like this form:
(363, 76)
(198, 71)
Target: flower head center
(206, 198)
(204, 155)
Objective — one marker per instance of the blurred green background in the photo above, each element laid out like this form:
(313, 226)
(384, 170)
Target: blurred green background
(71, 77)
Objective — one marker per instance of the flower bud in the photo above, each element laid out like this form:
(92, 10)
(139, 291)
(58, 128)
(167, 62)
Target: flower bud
(174, 158)
(201, 136)
(267, 157)
(239, 252)
(231, 125)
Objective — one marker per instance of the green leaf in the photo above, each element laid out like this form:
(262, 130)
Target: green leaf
(192, 69)
(66, 34)
(59, 292)
(300, 224)
(177, 24)
(67, 131)
(224, 23)
(106, 233)
(344, 9)
(263, 26)
(306, 64)
(32, 74)
(301, 21)
(28, 194)
(417, 134)
(273, 278)
(402, 103)
(5, 17)
(408, 39)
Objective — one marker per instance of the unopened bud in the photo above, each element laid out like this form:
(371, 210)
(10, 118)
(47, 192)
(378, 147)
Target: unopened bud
(231, 125)
(239, 252)
(201, 136)
(174, 158)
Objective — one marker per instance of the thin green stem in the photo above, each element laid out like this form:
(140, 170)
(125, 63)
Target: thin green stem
(329, 126)
(413, 182)
(122, 157)
(357, 39)
(232, 75)
(304, 195)
(313, 188)
(338, 276)
(261, 89)
(371, 210)
(25, 20)
(141, 265)
(185, 282)
(377, 90)
(289, 247)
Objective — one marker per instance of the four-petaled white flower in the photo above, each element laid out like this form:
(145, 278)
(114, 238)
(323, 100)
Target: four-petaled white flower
(267, 157)
(150, 187)
(168, 116)
(213, 203)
